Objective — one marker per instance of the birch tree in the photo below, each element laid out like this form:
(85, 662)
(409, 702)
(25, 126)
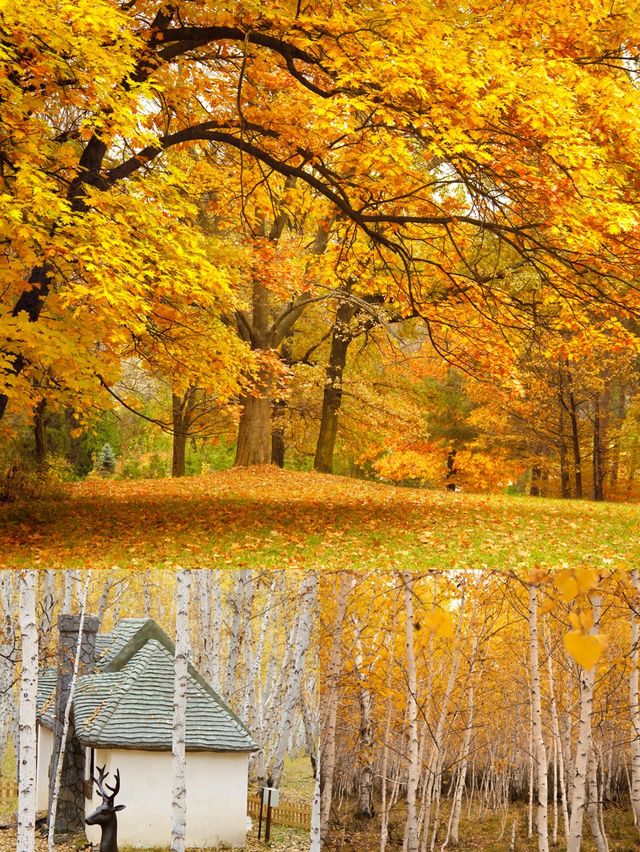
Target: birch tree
(634, 700)
(579, 784)
(411, 826)
(67, 716)
(540, 752)
(181, 665)
(27, 718)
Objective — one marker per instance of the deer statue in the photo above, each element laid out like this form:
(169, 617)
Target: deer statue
(105, 814)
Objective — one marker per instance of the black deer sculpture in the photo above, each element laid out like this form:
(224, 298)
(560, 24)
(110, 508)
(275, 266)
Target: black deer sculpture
(105, 814)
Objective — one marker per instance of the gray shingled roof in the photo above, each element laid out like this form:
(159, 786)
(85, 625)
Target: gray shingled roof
(128, 702)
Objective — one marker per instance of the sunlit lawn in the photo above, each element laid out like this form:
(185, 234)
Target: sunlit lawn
(264, 517)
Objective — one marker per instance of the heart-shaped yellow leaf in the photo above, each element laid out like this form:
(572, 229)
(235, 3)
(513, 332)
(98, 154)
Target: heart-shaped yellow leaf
(585, 649)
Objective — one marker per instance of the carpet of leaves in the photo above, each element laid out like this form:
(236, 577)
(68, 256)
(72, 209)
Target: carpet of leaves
(262, 517)
(281, 841)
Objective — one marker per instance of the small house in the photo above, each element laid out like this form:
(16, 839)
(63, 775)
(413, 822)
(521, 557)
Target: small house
(122, 718)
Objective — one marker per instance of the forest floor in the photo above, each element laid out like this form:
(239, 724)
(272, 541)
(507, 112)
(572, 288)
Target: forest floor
(490, 833)
(266, 517)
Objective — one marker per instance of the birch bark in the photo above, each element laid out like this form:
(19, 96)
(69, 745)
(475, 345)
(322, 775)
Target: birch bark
(634, 700)
(181, 665)
(27, 718)
(330, 704)
(67, 717)
(411, 827)
(579, 784)
(536, 715)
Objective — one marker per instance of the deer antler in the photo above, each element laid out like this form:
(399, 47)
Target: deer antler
(116, 787)
(100, 783)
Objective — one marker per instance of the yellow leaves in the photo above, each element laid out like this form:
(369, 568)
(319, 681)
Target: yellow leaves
(585, 648)
(575, 581)
(439, 622)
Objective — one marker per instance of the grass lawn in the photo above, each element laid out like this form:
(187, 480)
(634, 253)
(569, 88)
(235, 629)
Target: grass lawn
(261, 517)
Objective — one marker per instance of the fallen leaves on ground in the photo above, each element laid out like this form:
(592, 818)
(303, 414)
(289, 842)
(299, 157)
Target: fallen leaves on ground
(264, 516)
(282, 840)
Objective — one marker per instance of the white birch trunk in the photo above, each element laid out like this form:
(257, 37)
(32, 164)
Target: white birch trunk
(593, 806)
(315, 810)
(46, 618)
(579, 784)
(207, 649)
(330, 704)
(536, 715)
(27, 719)
(308, 595)
(235, 640)
(456, 806)
(67, 716)
(181, 667)
(411, 827)
(559, 771)
(634, 701)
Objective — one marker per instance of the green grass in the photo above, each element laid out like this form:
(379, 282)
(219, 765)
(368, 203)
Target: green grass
(265, 517)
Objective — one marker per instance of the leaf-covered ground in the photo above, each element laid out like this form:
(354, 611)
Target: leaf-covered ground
(490, 831)
(268, 517)
(282, 840)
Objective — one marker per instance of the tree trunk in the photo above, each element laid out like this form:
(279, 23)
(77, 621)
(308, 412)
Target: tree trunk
(411, 826)
(634, 701)
(315, 812)
(60, 762)
(536, 715)
(365, 806)
(40, 433)
(254, 431)
(308, 589)
(181, 410)
(565, 487)
(332, 396)
(599, 449)
(579, 785)
(331, 699)
(27, 723)
(575, 441)
(181, 663)
(277, 432)
(593, 807)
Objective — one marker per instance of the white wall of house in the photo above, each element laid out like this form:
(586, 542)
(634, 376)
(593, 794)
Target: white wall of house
(216, 797)
(45, 747)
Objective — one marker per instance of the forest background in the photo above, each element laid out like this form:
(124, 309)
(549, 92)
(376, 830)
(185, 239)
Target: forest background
(396, 241)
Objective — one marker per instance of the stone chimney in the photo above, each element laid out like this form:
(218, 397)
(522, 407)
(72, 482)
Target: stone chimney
(71, 799)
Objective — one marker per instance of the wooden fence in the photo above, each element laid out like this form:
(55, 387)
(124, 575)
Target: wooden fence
(8, 790)
(291, 814)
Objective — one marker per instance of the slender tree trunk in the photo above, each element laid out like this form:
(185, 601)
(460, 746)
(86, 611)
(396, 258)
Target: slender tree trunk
(593, 806)
(27, 718)
(236, 603)
(598, 449)
(46, 619)
(330, 703)
(411, 826)
(315, 811)
(40, 433)
(456, 806)
(178, 459)
(308, 595)
(181, 663)
(565, 485)
(557, 739)
(365, 806)
(634, 701)
(579, 785)
(575, 441)
(67, 718)
(332, 395)
(536, 713)
(278, 409)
